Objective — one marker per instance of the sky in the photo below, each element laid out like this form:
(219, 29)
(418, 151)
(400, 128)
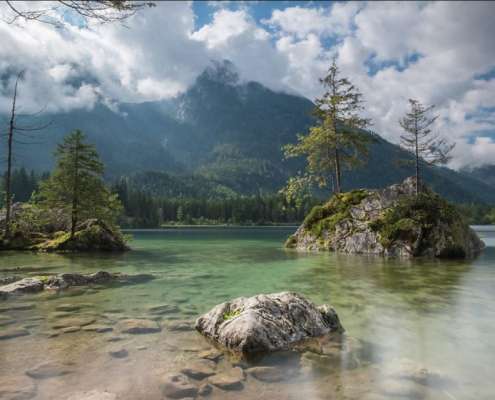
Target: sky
(440, 53)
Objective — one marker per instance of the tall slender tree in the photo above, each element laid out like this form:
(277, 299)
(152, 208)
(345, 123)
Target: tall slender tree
(337, 142)
(427, 147)
(14, 129)
(76, 184)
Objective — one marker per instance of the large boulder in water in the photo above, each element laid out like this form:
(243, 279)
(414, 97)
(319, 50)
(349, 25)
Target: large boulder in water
(266, 323)
(391, 222)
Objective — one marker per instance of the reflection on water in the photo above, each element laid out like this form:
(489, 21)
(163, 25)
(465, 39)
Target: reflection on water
(415, 329)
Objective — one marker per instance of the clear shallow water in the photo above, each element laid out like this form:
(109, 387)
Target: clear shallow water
(400, 317)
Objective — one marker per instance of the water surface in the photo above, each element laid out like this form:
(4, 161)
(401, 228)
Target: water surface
(421, 329)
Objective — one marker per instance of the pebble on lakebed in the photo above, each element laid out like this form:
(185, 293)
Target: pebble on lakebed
(267, 323)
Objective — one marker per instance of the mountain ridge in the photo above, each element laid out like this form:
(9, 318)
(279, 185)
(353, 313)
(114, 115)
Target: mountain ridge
(228, 132)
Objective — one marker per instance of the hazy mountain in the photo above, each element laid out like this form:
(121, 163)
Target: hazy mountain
(226, 132)
(485, 174)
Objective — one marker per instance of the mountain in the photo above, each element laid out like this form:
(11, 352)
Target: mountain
(485, 174)
(224, 134)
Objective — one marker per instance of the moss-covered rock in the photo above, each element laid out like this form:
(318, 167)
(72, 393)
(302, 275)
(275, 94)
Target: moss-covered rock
(34, 229)
(92, 235)
(393, 221)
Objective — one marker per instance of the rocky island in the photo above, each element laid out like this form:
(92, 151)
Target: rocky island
(392, 222)
(35, 229)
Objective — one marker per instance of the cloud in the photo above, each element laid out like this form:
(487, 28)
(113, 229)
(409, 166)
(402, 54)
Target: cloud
(432, 51)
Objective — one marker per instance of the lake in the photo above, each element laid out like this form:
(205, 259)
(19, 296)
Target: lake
(414, 329)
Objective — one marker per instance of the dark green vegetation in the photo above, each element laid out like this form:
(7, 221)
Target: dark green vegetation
(337, 141)
(426, 210)
(71, 210)
(224, 135)
(327, 216)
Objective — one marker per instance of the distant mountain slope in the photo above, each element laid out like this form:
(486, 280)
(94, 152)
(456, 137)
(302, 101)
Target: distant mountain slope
(228, 132)
(485, 174)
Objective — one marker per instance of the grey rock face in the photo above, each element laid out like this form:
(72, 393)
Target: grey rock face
(356, 230)
(267, 323)
(26, 285)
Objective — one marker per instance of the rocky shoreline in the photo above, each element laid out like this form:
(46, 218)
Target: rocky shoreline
(17, 285)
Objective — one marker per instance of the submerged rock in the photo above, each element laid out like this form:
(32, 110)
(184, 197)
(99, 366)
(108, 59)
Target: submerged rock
(67, 280)
(267, 323)
(26, 285)
(230, 380)
(16, 387)
(138, 326)
(200, 369)
(391, 222)
(49, 370)
(178, 386)
(13, 333)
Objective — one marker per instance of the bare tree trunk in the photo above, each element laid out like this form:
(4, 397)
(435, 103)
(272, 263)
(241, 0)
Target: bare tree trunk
(8, 191)
(337, 171)
(417, 159)
(75, 193)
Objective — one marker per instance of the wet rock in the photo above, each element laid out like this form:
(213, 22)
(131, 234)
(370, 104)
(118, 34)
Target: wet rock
(164, 309)
(49, 370)
(71, 329)
(268, 374)
(178, 386)
(115, 339)
(13, 333)
(60, 314)
(6, 320)
(93, 395)
(267, 323)
(9, 279)
(68, 307)
(22, 306)
(200, 369)
(118, 353)
(213, 355)
(16, 387)
(76, 321)
(180, 326)
(138, 326)
(230, 380)
(26, 285)
(205, 389)
(97, 328)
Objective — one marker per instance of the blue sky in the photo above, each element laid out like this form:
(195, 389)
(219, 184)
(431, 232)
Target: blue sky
(440, 53)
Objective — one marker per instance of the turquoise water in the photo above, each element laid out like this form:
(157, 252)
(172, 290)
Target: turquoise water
(401, 317)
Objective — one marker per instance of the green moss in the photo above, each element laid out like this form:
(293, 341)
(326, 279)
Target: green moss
(326, 217)
(412, 215)
(231, 314)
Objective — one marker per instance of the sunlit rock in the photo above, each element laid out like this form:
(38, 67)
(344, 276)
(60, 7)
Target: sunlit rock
(266, 323)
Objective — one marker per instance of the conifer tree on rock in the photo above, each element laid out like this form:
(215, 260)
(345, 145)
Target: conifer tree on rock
(427, 147)
(76, 185)
(336, 142)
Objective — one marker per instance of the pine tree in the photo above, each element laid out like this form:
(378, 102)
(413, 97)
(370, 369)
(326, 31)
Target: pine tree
(419, 140)
(76, 184)
(336, 142)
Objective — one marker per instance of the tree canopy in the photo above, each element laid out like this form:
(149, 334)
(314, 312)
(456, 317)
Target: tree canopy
(76, 184)
(337, 141)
